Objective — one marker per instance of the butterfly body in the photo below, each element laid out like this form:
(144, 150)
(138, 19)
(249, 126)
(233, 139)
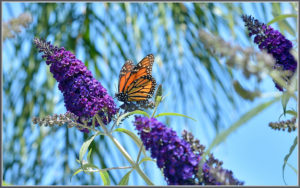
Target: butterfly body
(136, 83)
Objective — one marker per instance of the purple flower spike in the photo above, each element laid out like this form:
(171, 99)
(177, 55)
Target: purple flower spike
(274, 43)
(212, 171)
(83, 94)
(173, 155)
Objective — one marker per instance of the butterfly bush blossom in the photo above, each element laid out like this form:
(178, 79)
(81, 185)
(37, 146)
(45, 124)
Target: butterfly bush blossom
(274, 43)
(212, 171)
(178, 158)
(83, 94)
(173, 155)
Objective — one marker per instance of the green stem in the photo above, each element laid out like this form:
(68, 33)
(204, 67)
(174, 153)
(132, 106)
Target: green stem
(125, 154)
(140, 152)
(91, 128)
(107, 169)
(154, 111)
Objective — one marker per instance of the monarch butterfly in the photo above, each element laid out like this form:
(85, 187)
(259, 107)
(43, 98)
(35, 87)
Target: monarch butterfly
(136, 83)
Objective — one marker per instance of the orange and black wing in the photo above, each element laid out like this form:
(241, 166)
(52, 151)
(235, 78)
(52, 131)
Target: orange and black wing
(141, 89)
(125, 74)
(144, 67)
(136, 82)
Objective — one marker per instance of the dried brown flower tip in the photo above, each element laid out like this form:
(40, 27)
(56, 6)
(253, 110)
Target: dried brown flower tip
(238, 57)
(282, 125)
(212, 171)
(68, 118)
(196, 146)
(13, 26)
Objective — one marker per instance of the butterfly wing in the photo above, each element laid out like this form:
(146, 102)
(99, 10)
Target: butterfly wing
(141, 89)
(125, 74)
(144, 67)
(136, 82)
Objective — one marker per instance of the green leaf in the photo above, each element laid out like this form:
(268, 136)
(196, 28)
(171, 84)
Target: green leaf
(125, 179)
(246, 117)
(89, 156)
(76, 172)
(146, 159)
(85, 147)
(286, 158)
(284, 101)
(285, 25)
(293, 168)
(105, 177)
(292, 112)
(131, 113)
(173, 114)
(245, 94)
(133, 136)
(281, 17)
(94, 122)
(86, 167)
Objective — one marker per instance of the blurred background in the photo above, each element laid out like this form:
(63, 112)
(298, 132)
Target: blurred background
(104, 36)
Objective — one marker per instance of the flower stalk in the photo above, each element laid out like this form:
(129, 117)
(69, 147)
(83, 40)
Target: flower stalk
(113, 168)
(124, 152)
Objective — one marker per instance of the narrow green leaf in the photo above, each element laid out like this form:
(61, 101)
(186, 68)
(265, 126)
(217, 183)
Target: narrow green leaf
(140, 112)
(105, 177)
(246, 117)
(284, 25)
(244, 93)
(173, 114)
(125, 179)
(85, 146)
(89, 156)
(292, 112)
(281, 17)
(133, 136)
(295, 6)
(76, 172)
(293, 168)
(131, 113)
(286, 158)
(284, 101)
(146, 159)
(86, 167)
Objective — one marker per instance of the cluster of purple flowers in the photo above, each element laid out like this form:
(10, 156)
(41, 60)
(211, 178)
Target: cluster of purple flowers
(214, 174)
(173, 155)
(83, 94)
(212, 171)
(274, 43)
(179, 158)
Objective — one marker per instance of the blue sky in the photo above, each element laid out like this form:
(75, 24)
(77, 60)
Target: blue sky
(254, 153)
